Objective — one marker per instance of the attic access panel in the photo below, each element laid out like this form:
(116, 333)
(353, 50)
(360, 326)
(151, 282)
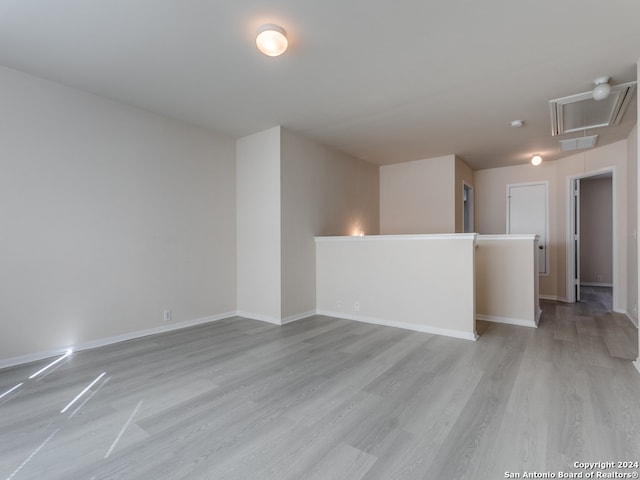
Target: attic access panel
(580, 112)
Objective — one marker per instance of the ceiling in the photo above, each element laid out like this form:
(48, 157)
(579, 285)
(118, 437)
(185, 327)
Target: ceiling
(383, 80)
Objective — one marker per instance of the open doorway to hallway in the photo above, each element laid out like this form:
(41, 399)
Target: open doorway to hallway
(467, 208)
(596, 234)
(591, 260)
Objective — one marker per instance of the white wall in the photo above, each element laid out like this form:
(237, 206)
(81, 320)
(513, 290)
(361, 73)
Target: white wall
(637, 205)
(507, 279)
(490, 203)
(289, 190)
(258, 225)
(491, 208)
(420, 282)
(423, 196)
(324, 192)
(632, 221)
(418, 197)
(110, 215)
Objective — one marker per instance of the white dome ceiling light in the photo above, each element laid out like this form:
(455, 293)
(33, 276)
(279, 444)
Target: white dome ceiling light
(536, 160)
(602, 88)
(272, 40)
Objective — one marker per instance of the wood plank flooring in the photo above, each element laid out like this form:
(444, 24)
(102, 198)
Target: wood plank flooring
(324, 398)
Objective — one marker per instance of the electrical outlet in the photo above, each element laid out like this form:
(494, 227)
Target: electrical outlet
(356, 306)
(599, 278)
(167, 315)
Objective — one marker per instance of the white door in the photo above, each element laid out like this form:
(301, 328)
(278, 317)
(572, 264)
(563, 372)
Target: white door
(527, 212)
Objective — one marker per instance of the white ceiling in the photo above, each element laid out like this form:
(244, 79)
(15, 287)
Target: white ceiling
(383, 80)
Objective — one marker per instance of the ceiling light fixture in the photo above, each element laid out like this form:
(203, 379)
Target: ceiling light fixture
(517, 123)
(602, 88)
(536, 160)
(272, 40)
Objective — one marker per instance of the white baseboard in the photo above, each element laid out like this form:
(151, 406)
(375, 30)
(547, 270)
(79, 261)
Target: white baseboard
(299, 316)
(509, 321)
(33, 357)
(631, 318)
(407, 326)
(275, 320)
(596, 284)
(548, 297)
(258, 316)
(555, 298)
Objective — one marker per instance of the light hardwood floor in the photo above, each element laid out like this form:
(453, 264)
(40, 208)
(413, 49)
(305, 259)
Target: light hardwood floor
(328, 399)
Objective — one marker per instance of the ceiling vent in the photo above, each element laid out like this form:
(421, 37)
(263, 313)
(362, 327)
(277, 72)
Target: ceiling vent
(579, 143)
(580, 112)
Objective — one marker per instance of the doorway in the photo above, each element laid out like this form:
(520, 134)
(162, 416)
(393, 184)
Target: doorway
(591, 266)
(467, 208)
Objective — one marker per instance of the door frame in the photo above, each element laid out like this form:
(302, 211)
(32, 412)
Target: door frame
(547, 240)
(570, 218)
(468, 187)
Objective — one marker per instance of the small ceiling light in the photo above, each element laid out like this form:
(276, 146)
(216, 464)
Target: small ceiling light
(602, 88)
(536, 160)
(272, 40)
(517, 123)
